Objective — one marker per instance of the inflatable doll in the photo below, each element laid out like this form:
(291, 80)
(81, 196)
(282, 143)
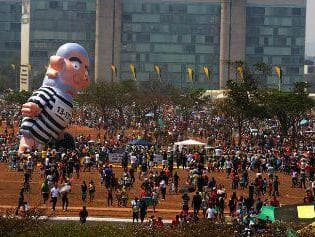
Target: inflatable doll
(49, 110)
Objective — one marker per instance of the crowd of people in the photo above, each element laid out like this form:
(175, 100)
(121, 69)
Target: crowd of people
(252, 167)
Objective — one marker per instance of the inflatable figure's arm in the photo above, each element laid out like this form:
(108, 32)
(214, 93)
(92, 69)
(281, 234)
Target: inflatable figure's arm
(30, 109)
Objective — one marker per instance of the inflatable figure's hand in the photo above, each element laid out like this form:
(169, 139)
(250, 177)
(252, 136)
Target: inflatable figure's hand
(30, 109)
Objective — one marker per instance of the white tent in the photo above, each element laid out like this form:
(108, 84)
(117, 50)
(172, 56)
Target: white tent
(188, 142)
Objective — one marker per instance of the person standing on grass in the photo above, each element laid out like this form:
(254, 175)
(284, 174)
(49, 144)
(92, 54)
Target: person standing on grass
(83, 214)
(135, 210)
(83, 191)
(54, 193)
(91, 190)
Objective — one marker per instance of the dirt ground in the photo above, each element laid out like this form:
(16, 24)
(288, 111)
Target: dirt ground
(10, 183)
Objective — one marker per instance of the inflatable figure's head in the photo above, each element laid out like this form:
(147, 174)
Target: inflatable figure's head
(68, 69)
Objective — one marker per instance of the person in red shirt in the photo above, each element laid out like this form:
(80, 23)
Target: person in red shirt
(274, 202)
(159, 223)
(175, 222)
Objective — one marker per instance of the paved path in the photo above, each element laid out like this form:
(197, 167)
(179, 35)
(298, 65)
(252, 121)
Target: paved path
(114, 209)
(96, 219)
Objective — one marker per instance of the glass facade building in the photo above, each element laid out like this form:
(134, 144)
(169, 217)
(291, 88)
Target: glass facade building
(10, 32)
(276, 36)
(172, 34)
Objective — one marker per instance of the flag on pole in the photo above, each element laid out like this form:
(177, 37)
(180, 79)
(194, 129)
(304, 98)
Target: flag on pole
(279, 73)
(157, 70)
(133, 71)
(207, 72)
(13, 66)
(191, 74)
(114, 69)
(241, 71)
(29, 67)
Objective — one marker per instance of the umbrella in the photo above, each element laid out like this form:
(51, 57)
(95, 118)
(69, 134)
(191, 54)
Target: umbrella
(65, 188)
(140, 143)
(303, 121)
(149, 115)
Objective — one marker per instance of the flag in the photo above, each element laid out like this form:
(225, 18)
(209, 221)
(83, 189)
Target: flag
(241, 71)
(306, 212)
(13, 66)
(207, 72)
(279, 73)
(133, 71)
(190, 74)
(267, 211)
(157, 70)
(29, 67)
(114, 69)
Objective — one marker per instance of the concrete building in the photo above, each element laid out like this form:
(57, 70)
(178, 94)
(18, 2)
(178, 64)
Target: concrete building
(174, 34)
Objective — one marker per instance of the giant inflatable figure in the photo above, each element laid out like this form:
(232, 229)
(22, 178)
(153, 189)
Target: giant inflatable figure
(49, 110)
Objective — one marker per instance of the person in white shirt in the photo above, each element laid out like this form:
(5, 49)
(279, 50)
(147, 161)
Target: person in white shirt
(211, 213)
(54, 193)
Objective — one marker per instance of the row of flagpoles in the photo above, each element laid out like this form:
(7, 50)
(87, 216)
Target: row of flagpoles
(190, 71)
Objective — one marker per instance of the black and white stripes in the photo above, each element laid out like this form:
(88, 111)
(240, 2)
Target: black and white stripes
(52, 120)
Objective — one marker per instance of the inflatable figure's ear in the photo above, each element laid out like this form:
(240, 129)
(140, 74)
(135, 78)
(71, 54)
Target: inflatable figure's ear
(56, 64)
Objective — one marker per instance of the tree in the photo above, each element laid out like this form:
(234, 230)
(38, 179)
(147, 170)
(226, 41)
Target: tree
(17, 97)
(106, 96)
(244, 98)
(289, 107)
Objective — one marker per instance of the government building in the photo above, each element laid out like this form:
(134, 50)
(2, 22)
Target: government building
(174, 34)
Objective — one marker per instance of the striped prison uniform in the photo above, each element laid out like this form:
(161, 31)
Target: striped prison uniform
(52, 120)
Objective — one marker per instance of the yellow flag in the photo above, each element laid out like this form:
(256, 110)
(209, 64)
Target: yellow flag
(29, 67)
(133, 71)
(306, 212)
(207, 72)
(157, 70)
(279, 73)
(114, 69)
(13, 66)
(190, 74)
(241, 71)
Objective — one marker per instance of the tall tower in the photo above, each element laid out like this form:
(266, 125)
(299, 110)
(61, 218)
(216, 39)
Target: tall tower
(25, 46)
(232, 37)
(107, 38)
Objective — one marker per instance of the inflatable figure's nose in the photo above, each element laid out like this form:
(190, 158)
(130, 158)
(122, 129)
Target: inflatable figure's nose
(56, 64)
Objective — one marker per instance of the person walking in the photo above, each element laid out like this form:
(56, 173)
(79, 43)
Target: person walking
(109, 197)
(20, 201)
(185, 200)
(45, 191)
(83, 214)
(91, 190)
(196, 203)
(54, 193)
(135, 210)
(83, 191)
(143, 209)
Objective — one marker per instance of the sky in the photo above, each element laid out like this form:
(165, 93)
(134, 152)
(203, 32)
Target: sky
(310, 28)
